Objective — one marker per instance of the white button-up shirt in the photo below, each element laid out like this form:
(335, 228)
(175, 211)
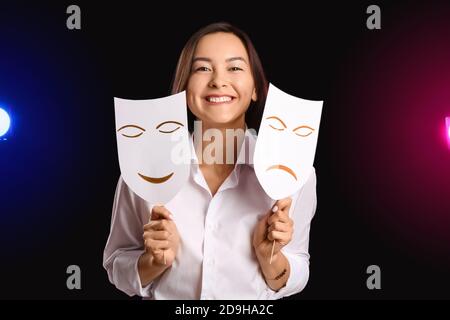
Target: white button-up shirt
(216, 259)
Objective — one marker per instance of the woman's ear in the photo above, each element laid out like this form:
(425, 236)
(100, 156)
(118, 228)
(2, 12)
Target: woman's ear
(254, 96)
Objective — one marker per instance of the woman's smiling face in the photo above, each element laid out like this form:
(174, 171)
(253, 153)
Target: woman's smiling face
(221, 85)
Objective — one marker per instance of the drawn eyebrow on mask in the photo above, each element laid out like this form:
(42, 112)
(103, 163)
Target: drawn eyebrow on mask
(301, 127)
(170, 121)
(275, 117)
(132, 126)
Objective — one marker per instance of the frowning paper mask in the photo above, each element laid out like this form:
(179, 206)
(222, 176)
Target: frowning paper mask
(153, 146)
(286, 143)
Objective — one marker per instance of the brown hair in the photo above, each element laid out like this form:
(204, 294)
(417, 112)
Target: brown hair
(254, 113)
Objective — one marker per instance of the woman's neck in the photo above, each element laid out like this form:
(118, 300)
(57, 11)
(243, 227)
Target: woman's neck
(222, 144)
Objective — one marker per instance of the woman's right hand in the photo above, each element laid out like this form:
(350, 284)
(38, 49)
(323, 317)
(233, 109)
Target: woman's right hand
(161, 237)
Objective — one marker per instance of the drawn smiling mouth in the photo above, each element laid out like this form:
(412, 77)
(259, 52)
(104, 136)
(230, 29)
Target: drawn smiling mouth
(156, 180)
(282, 167)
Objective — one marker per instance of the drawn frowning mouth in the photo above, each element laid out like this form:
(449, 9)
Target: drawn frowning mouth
(156, 180)
(282, 167)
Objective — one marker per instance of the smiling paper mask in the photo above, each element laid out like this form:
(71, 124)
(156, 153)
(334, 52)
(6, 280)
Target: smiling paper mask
(153, 146)
(286, 143)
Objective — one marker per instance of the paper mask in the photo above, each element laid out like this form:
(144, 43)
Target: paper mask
(153, 146)
(286, 143)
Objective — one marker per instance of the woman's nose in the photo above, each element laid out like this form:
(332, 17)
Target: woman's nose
(218, 81)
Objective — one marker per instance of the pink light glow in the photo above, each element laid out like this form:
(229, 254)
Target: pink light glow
(447, 130)
(447, 125)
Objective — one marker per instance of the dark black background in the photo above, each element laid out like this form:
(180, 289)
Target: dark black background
(59, 168)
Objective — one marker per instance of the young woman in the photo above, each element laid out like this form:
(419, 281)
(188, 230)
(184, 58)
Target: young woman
(214, 239)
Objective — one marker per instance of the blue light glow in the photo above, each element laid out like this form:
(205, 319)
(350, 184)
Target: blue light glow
(5, 122)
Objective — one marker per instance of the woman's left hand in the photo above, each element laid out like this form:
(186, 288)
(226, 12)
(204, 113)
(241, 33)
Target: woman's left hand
(276, 226)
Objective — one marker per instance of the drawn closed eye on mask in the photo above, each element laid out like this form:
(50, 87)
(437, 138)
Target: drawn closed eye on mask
(303, 131)
(131, 131)
(276, 124)
(169, 126)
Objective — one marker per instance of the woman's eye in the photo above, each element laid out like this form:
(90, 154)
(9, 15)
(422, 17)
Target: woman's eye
(276, 123)
(235, 69)
(131, 131)
(169, 126)
(202, 69)
(303, 131)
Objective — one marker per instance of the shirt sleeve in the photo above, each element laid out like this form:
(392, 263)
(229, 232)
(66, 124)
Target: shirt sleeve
(125, 243)
(296, 251)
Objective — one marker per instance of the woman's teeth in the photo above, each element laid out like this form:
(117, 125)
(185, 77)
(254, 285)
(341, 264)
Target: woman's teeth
(219, 99)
